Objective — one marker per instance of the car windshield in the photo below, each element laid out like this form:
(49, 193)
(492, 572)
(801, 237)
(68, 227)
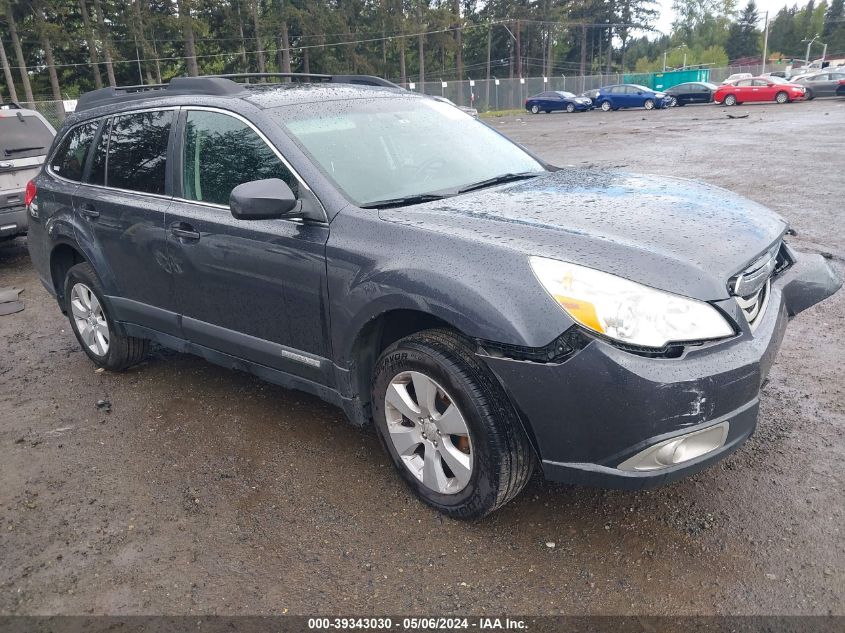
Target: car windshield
(386, 149)
(23, 136)
(567, 95)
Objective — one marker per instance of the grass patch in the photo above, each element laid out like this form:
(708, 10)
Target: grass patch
(495, 114)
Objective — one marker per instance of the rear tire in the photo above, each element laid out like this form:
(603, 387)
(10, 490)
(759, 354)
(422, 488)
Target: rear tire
(496, 457)
(782, 97)
(94, 327)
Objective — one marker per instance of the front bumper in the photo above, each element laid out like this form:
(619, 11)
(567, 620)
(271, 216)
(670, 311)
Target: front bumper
(603, 406)
(13, 221)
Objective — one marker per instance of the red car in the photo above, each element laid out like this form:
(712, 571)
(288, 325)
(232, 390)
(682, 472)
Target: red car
(759, 89)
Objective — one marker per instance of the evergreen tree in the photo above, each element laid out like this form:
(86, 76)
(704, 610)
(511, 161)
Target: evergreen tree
(744, 38)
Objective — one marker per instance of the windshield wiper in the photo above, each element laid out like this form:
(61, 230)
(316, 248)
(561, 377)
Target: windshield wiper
(407, 200)
(498, 180)
(15, 150)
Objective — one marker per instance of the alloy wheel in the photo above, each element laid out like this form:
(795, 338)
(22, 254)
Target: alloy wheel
(782, 97)
(535, 109)
(429, 432)
(90, 319)
(649, 104)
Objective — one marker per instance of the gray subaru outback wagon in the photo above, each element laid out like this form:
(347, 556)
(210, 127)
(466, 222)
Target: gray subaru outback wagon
(487, 312)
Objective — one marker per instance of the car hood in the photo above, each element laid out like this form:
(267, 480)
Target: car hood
(669, 233)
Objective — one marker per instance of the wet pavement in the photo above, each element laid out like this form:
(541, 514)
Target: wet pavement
(201, 490)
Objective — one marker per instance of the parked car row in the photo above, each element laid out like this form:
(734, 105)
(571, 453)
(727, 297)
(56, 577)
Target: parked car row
(736, 89)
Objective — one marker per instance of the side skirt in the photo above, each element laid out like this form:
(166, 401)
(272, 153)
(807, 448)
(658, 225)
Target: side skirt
(275, 376)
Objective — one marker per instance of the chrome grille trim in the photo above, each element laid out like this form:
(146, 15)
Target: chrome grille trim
(751, 287)
(754, 306)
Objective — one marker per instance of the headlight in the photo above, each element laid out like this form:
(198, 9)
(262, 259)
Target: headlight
(627, 311)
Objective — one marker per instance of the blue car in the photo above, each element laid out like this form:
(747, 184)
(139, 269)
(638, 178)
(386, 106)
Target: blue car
(557, 100)
(630, 96)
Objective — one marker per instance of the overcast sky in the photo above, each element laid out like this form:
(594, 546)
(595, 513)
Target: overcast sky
(664, 24)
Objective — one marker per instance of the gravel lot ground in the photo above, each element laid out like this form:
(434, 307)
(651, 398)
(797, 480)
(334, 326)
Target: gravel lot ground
(208, 491)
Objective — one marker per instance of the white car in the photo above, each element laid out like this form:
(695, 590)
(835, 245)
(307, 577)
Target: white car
(736, 77)
(25, 137)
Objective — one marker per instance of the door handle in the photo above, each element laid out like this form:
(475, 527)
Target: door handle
(89, 212)
(185, 232)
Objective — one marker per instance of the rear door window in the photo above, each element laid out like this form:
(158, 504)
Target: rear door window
(23, 136)
(221, 152)
(69, 160)
(137, 151)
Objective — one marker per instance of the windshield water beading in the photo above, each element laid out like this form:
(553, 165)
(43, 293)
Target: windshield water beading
(382, 149)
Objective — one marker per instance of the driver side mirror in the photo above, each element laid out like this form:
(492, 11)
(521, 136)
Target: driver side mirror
(264, 200)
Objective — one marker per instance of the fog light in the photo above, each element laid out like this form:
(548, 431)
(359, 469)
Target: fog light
(678, 450)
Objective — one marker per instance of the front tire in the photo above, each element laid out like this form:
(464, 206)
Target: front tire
(94, 327)
(605, 106)
(649, 104)
(535, 109)
(781, 97)
(570, 107)
(448, 426)
(730, 100)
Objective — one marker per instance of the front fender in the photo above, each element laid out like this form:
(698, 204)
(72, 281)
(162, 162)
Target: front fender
(483, 290)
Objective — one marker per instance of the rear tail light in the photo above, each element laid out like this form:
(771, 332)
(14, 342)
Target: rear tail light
(30, 193)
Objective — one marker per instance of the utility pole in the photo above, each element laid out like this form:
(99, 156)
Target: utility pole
(583, 54)
(765, 42)
(809, 44)
(489, 45)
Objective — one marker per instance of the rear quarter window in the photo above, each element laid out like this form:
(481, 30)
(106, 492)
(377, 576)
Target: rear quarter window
(69, 160)
(23, 136)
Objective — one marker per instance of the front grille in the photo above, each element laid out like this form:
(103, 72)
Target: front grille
(752, 287)
(754, 305)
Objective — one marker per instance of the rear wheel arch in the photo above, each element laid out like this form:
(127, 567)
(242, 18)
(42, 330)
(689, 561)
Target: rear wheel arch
(63, 257)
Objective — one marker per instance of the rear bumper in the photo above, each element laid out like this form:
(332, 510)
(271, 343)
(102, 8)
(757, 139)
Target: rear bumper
(13, 221)
(604, 406)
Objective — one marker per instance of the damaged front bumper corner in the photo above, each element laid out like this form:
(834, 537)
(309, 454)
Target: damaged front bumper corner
(611, 418)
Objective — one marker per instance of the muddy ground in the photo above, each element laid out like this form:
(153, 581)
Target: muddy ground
(208, 491)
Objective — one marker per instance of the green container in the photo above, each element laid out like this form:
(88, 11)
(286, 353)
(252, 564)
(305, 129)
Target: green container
(664, 81)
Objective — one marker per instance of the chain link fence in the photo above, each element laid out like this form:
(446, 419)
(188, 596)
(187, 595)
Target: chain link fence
(53, 111)
(483, 94)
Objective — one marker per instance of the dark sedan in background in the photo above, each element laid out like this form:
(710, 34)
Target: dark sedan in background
(554, 100)
(630, 96)
(823, 84)
(692, 92)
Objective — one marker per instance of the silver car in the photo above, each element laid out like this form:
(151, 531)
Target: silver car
(25, 137)
(823, 84)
